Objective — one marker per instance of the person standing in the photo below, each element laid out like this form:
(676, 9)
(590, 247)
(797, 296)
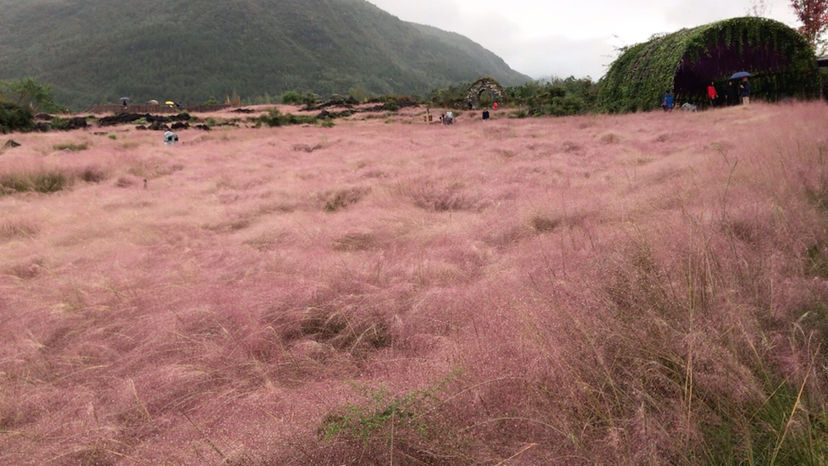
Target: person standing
(712, 95)
(668, 101)
(744, 91)
(731, 94)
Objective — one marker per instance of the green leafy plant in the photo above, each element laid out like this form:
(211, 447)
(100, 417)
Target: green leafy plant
(28, 93)
(14, 118)
(383, 411)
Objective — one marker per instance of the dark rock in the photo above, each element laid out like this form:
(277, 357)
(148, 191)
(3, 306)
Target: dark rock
(42, 127)
(76, 123)
(203, 127)
(154, 118)
(243, 110)
(122, 118)
(141, 128)
(180, 125)
(159, 125)
(183, 117)
(11, 144)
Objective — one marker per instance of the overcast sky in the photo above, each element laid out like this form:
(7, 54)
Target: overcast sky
(543, 38)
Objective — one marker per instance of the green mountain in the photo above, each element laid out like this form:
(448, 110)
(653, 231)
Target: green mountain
(94, 51)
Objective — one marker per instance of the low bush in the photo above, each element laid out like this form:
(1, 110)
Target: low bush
(292, 98)
(14, 118)
(275, 118)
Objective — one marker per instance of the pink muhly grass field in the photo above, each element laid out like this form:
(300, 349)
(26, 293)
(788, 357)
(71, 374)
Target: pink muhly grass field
(641, 289)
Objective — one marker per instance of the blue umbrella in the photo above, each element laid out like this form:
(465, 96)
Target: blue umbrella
(741, 74)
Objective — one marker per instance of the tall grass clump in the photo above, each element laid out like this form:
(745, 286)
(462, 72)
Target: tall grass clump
(438, 196)
(42, 181)
(71, 146)
(11, 228)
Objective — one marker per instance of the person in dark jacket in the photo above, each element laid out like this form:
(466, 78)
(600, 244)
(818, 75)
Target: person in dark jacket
(731, 94)
(744, 91)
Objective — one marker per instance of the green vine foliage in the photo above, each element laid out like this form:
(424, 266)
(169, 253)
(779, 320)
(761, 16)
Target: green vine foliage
(782, 61)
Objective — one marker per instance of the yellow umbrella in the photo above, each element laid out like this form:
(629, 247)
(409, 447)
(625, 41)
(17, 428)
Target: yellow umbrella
(169, 102)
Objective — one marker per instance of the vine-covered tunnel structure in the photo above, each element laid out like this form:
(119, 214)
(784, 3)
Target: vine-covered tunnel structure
(781, 61)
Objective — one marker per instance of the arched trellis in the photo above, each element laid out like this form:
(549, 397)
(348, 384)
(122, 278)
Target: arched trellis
(687, 61)
(482, 85)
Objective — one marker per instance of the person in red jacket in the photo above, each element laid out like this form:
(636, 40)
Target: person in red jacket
(712, 95)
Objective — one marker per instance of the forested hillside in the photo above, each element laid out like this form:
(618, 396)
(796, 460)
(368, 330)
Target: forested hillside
(94, 51)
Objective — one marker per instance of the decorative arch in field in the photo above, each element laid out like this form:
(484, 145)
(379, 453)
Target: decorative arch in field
(482, 85)
(687, 61)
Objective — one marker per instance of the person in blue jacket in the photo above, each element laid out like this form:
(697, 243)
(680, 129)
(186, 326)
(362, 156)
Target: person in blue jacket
(668, 101)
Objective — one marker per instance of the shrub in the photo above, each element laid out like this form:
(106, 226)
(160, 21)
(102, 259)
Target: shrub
(43, 181)
(292, 98)
(14, 118)
(49, 181)
(310, 99)
(275, 118)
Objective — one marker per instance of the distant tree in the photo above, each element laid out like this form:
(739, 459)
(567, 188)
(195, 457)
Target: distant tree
(358, 93)
(310, 99)
(291, 98)
(814, 17)
(28, 93)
